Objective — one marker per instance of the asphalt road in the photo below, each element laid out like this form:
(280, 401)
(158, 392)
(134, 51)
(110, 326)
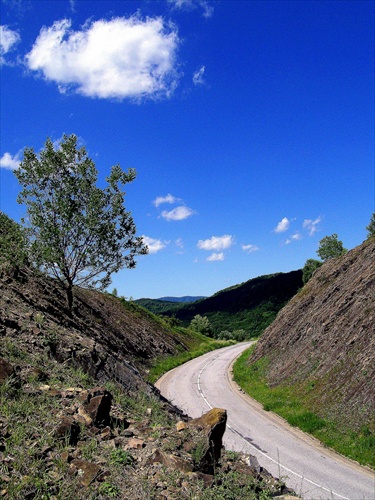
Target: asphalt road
(310, 469)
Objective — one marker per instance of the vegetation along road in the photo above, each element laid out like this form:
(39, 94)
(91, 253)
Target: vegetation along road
(310, 469)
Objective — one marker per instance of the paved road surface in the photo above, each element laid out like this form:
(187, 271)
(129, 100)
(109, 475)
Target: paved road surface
(311, 470)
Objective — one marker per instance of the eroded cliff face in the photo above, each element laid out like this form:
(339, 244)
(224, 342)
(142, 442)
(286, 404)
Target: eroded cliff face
(323, 341)
(108, 339)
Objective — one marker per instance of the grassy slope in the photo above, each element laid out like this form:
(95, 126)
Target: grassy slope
(292, 402)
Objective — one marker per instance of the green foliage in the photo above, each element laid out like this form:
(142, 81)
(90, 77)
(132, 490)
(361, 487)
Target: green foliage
(310, 266)
(13, 243)
(249, 306)
(163, 365)
(330, 247)
(201, 325)
(371, 227)
(80, 234)
(237, 335)
(121, 457)
(109, 490)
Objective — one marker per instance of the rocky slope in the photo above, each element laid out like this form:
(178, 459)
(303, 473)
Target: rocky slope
(109, 339)
(323, 341)
(78, 420)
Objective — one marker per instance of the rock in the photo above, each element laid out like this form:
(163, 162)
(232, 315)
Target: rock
(98, 406)
(6, 370)
(170, 461)
(207, 479)
(180, 426)
(208, 443)
(67, 428)
(134, 444)
(64, 456)
(85, 417)
(87, 470)
(106, 434)
(102, 476)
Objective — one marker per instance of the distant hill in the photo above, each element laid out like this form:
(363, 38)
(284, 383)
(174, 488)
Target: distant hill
(250, 306)
(186, 298)
(165, 305)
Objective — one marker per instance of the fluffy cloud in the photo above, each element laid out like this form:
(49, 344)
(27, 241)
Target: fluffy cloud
(8, 39)
(9, 162)
(311, 225)
(153, 244)
(166, 199)
(120, 58)
(216, 243)
(198, 76)
(207, 7)
(215, 257)
(250, 248)
(178, 213)
(282, 226)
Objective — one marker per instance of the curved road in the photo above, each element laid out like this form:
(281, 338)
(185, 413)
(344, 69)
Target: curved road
(310, 469)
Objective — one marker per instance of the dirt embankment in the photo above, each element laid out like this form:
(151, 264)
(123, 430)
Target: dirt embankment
(324, 339)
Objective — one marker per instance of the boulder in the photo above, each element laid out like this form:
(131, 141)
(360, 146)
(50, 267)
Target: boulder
(98, 406)
(208, 442)
(67, 428)
(87, 470)
(170, 461)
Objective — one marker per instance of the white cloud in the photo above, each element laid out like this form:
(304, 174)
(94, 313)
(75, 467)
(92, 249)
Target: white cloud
(312, 225)
(198, 76)
(250, 248)
(8, 39)
(207, 7)
(166, 199)
(282, 226)
(216, 243)
(178, 213)
(294, 237)
(154, 245)
(9, 162)
(121, 58)
(179, 243)
(216, 256)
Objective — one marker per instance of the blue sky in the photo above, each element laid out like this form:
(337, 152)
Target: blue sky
(250, 124)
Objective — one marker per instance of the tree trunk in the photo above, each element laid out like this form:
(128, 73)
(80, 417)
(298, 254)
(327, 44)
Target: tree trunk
(69, 296)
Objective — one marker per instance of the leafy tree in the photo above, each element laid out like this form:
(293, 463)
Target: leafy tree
(329, 247)
(80, 234)
(371, 227)
(201, 324)
(310, 266)
(13, 243)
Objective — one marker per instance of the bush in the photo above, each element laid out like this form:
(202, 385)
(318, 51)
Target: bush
(311, 265)
(13, 243)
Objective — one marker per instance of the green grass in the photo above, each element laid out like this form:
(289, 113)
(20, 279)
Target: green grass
(292, 403)
(199, 345)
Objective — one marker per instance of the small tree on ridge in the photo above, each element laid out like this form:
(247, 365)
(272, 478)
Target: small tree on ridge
(330, 247)
(80, 234)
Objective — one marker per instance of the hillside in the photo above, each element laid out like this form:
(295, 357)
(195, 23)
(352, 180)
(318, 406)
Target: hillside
(250, 306)
(109, 338)
(321, 347)
(78, 419)
(185, 298)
